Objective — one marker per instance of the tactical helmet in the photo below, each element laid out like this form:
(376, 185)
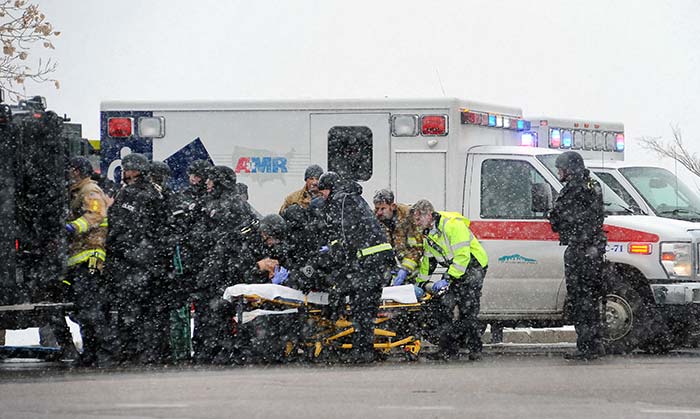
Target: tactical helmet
(383, 196)
(81, 165)
(273, 225)
(570, 162)
(328, 181)
(160, 169)
(199, 168)
(313, 171)
(135, 161)
(222, 176)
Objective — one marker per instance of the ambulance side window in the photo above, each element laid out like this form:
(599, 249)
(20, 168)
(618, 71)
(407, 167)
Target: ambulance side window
(506, 189)
(350, 152)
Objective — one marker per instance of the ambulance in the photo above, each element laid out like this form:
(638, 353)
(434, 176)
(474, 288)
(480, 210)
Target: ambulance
(647, 189)
(485, 161)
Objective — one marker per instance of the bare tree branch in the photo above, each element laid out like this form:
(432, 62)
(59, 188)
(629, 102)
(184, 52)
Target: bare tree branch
(674, 149)
(23, 28)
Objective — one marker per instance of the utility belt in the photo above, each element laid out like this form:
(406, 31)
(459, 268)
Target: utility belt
(367, 251)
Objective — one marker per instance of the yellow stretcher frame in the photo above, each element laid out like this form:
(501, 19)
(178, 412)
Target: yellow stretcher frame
(330, 334)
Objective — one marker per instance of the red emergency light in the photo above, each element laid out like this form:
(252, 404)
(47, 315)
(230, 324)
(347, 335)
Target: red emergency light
(120, 127)
(433, 125)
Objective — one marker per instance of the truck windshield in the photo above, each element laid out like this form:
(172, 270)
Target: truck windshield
(664, 192)
(614, 205)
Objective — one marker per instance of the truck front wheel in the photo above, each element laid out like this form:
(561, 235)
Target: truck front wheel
(625, 319)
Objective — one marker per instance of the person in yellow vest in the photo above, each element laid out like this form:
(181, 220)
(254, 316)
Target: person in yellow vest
(86, 255)
(303, 196)
(449, 242)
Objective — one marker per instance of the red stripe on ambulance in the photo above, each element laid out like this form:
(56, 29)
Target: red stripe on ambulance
(541, 230)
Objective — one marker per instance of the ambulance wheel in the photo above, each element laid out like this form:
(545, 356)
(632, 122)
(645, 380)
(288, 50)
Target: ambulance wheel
(625, 319)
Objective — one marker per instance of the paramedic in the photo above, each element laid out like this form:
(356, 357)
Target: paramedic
(87, 233)
(402, 232)
(448, 241)
(578, 218)
(361, 256)
(132, 267)
(227, 218)
(304, 195)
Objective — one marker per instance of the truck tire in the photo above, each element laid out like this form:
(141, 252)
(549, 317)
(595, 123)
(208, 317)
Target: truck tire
(626, 320)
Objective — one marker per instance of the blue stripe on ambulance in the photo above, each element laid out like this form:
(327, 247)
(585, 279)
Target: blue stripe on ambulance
(113, 149)
(181, 159)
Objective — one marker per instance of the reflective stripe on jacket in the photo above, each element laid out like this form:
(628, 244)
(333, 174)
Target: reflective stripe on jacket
(452, 244)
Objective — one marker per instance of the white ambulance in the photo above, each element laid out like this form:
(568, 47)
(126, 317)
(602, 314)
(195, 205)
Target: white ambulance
(647, 189)
(482, 160)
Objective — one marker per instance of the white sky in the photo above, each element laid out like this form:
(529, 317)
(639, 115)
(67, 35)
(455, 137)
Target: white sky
(632, 61)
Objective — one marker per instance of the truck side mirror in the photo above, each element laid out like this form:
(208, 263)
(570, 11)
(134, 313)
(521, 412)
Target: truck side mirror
(541, 197)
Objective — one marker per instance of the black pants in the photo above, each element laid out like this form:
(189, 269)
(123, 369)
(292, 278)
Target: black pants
(89, 312)
(583, 267)
(365, 280)
(456, 329)
(212, 340)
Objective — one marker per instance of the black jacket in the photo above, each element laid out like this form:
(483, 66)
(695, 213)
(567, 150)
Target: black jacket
(351, 221)
(578, 212)
(134, 237)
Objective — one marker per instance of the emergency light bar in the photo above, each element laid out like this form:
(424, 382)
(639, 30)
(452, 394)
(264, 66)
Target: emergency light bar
(583, 136)
(494, 120)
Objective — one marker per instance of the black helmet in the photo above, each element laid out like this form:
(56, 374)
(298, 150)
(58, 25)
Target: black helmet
(313, 171)
(199, 168)
(81, 165)
(570, 162)
(160, 169)
(135, 161)
(273, 225)
(222, 176)
(328, 181)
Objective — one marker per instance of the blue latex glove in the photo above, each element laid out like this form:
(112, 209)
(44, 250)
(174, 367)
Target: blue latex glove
(324, 249)
(441, 285)
(420, 292)
(281, 275)
(70, 228)
(399, 278)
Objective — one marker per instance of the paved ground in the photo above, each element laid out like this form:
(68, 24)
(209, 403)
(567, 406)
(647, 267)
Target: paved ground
(513, 380)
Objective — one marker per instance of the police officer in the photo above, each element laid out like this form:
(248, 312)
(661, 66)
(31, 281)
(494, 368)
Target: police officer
(87, 230)
(306, 233)
(227, 218)
(134, 268)
(362, 257)
(578, 217)
(449, 242)
(264, 252)
(188, 255)
(304, 195)
(404, 236)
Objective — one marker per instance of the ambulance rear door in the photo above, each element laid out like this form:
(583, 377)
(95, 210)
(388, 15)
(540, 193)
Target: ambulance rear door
(354, 145)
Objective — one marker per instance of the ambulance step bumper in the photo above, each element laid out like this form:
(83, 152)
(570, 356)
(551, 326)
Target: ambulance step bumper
(686, 293)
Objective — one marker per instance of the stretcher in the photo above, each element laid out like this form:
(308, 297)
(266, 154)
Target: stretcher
(312, 327)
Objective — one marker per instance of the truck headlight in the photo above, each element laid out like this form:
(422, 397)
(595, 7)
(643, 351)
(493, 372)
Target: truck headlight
(676, 260)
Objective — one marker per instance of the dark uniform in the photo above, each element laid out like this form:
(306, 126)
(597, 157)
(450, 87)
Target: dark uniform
(306, 233)
(578, 217)
(227, 218)
(133, 269)
(362, 257)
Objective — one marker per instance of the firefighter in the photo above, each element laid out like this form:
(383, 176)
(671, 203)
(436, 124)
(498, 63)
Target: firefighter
(578, 217)
(304, 195)
(134, 267)
(449, 242)
(362, 257)
(402, 232)
(87, 230)
(221, 233)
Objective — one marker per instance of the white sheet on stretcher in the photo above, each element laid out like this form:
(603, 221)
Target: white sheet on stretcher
(403, 294)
